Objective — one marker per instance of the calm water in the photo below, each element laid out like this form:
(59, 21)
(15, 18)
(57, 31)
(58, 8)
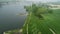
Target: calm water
(9, 18)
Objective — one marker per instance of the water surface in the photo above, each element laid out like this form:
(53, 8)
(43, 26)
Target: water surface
(9, 18)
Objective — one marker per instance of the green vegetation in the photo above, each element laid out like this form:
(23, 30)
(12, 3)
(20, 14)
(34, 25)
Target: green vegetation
(36, 21)
(38, 10)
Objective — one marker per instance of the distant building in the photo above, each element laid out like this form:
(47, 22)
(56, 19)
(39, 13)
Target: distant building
(52, 6)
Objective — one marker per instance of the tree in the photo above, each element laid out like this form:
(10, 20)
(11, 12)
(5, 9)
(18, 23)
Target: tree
(38, 10)
(50, 11)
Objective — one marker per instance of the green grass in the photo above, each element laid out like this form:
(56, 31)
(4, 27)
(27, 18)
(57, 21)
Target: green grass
(50, 21)
(53, 21)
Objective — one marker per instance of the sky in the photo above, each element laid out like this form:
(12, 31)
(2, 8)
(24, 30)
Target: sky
(43, 0)
(34, 0)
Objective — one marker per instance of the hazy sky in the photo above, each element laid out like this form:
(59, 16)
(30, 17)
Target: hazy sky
(44, 0)
(33, 0)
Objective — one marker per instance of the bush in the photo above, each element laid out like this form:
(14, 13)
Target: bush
(50, 11)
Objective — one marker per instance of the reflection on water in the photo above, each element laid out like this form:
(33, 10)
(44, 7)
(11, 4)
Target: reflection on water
(3, 3)
(0, 5)
(8, 18)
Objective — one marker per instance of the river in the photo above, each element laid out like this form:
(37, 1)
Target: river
(9, 18)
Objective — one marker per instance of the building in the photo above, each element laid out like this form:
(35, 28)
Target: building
(52, 6)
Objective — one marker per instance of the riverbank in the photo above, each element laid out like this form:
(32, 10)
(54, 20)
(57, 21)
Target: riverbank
(50, 23)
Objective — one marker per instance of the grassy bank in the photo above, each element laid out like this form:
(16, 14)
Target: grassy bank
(49, 25)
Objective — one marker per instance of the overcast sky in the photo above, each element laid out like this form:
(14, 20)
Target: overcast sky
(43, 0)
(33, 0)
